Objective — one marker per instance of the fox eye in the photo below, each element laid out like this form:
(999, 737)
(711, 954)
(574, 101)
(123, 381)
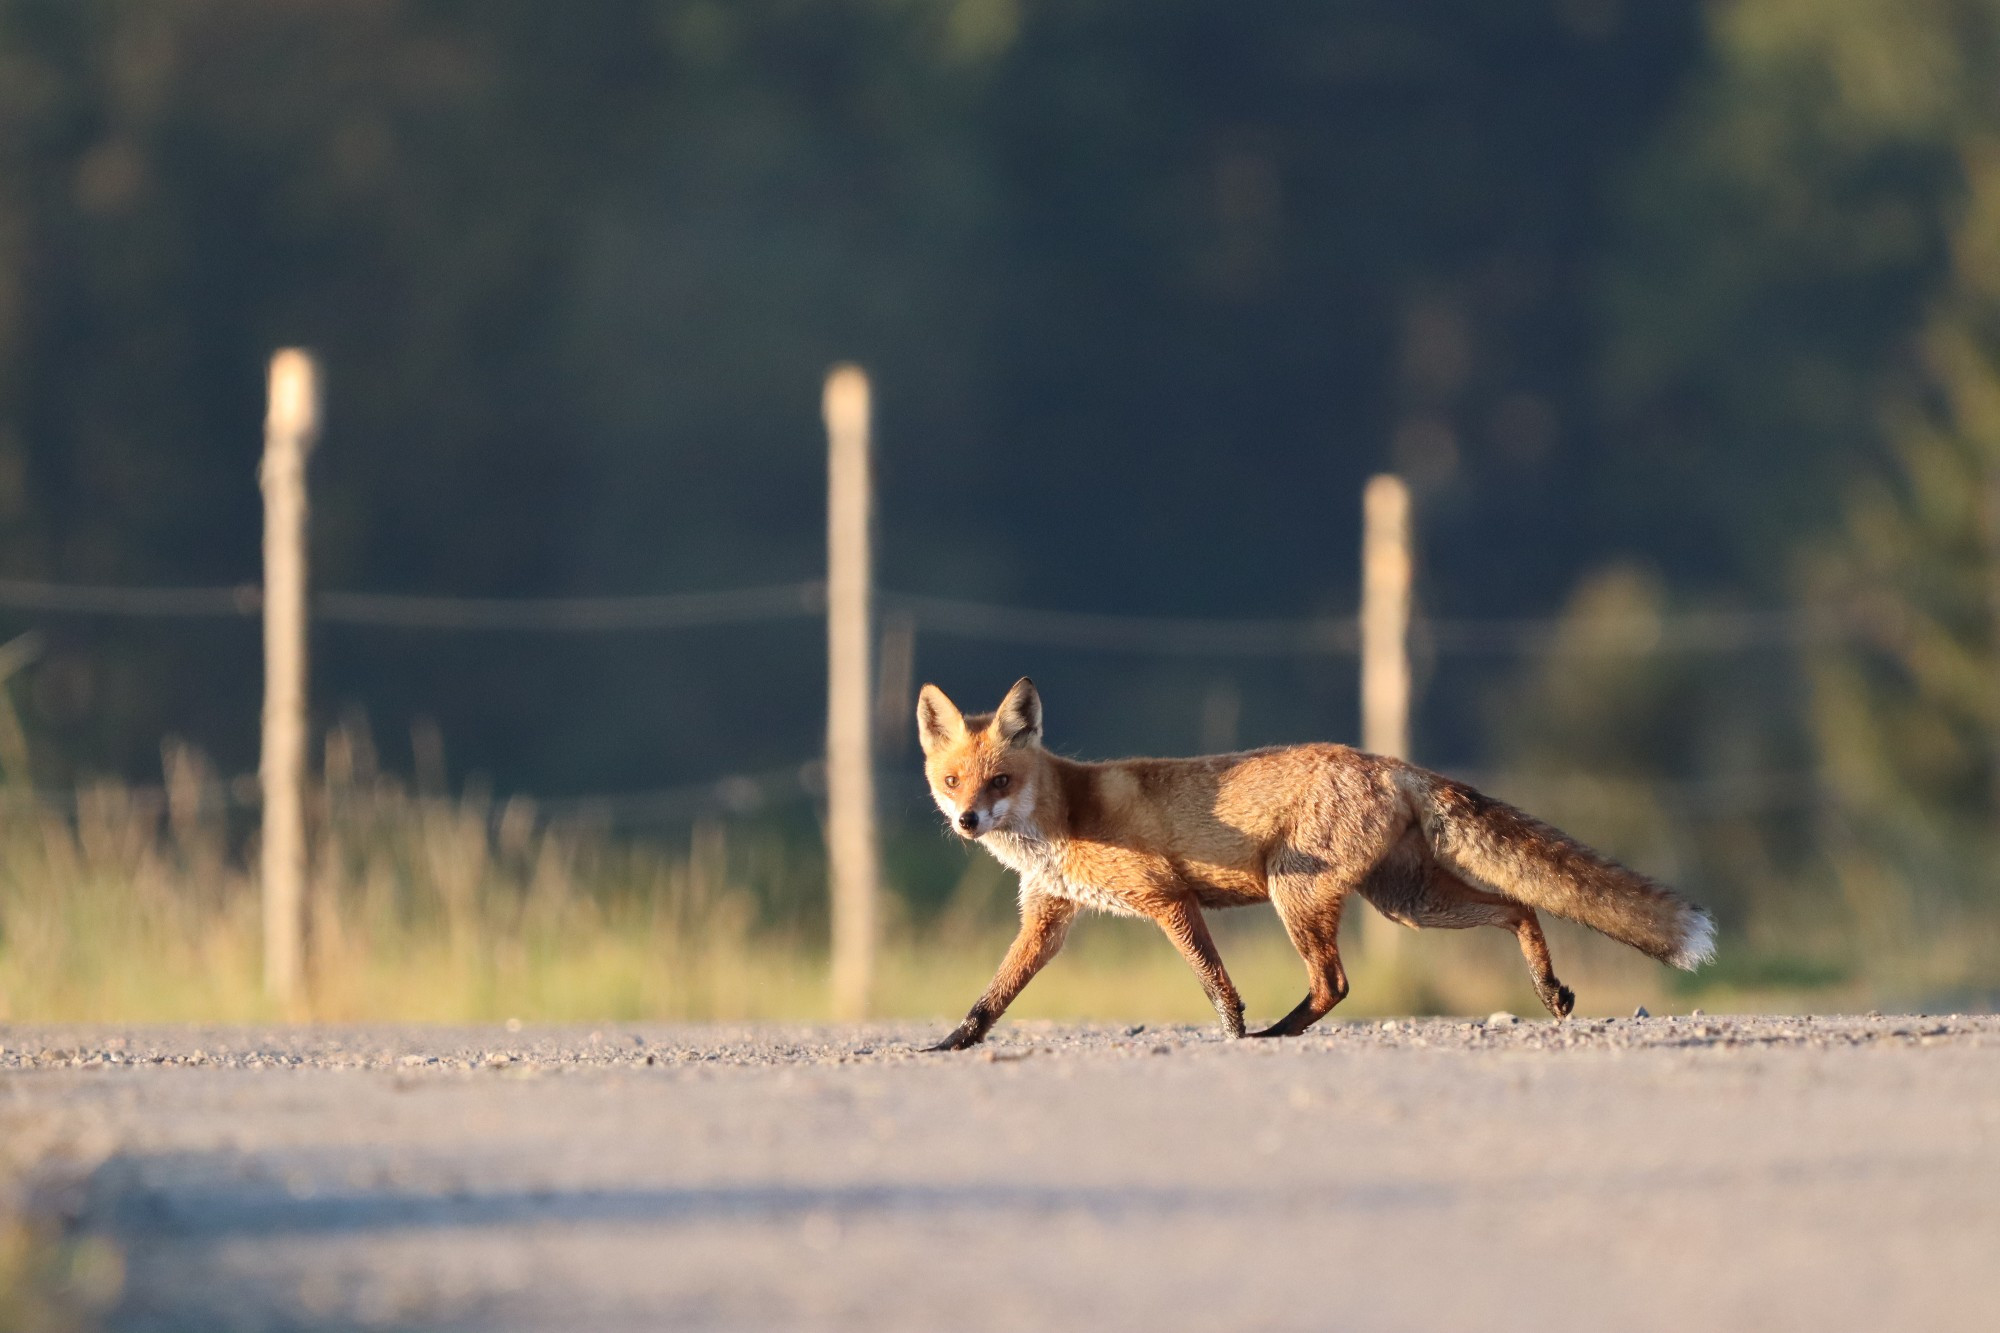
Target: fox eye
(1000, 782)
(951, 779)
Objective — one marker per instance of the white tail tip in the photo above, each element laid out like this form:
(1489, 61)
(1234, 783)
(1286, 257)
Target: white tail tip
(1697, 943)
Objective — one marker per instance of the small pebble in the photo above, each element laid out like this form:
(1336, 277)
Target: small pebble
(1699, 1013)
(1640, 1012)
(1500, 1018)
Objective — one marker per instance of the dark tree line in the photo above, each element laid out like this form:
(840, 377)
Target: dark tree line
(1148, 291)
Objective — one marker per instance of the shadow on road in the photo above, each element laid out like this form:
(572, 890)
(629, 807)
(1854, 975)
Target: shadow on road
(191, 1197)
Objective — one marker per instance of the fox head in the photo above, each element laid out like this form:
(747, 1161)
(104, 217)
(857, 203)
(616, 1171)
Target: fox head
(983, 769)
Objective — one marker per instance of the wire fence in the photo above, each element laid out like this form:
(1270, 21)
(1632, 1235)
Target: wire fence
(732, 794)
(1690, 632)
(1716, 633)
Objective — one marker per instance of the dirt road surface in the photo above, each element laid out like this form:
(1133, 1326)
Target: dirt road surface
(1684, 1173)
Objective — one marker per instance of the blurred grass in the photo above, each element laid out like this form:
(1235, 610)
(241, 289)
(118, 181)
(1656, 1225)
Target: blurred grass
(138, 906)
(50, 1281)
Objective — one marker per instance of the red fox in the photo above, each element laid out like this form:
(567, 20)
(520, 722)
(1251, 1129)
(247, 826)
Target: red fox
(1301, 826)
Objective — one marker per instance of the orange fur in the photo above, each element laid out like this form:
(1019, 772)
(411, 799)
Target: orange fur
(1299, 826)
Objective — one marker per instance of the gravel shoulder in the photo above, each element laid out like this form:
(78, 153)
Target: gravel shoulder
(1718, 1172)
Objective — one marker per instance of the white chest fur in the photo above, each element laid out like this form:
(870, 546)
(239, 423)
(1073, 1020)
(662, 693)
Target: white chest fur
(1039, 864)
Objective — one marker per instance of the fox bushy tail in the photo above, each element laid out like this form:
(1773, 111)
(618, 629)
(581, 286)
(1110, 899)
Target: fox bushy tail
(1492, 844)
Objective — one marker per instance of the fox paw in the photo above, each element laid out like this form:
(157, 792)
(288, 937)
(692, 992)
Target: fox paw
(1562, 1003)
(963, 1037)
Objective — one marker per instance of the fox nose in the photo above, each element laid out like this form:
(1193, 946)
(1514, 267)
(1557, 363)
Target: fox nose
(969, 820)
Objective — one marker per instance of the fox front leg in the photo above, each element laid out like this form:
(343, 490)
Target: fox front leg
(1044, 924)
(1181, 919)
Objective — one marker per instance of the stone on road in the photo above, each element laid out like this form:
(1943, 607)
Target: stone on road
(1685, 1173)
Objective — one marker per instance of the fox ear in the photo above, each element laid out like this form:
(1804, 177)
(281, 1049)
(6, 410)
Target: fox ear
(939, 722)
(1019, 717)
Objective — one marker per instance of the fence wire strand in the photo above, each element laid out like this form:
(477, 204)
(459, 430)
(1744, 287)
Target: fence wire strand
(1696, 632)
(1710, 632)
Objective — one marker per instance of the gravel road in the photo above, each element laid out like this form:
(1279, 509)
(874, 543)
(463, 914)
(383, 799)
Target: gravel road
(1661, 1173)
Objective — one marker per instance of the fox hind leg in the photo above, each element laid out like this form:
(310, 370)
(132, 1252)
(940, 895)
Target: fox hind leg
(1449, 902)
(1557, 998)
(1309, 881)
(1309, 903)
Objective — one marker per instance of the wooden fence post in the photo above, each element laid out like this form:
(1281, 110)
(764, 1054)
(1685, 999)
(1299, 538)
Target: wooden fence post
(1386, 567)
(291, 425)
(853, 861)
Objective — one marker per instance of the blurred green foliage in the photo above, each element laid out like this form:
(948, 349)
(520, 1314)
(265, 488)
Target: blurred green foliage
(1806, 305)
